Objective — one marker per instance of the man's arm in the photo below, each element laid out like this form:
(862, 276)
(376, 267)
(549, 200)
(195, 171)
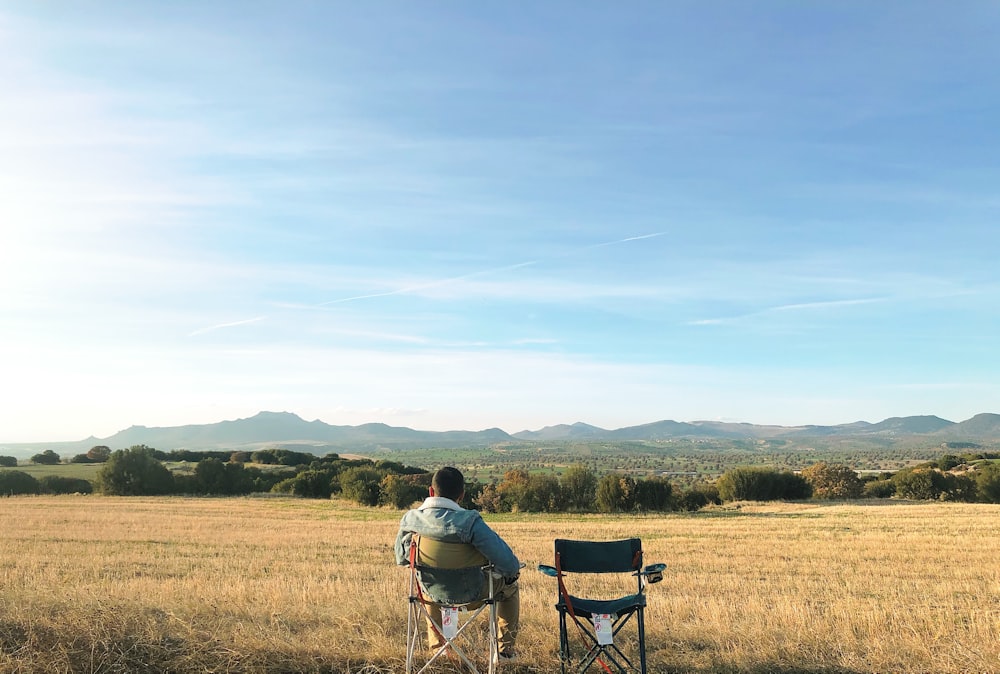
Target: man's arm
(402, 547)
(494, 549)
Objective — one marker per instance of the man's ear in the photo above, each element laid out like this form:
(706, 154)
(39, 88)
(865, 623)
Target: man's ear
(430, 490)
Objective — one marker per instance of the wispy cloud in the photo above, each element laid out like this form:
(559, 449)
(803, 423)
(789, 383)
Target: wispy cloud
(787, 308)
(223, 326)
(430, 284)
(438, 283)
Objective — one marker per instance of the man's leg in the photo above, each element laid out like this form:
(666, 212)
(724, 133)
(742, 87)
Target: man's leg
(508, 617)
(434, 638)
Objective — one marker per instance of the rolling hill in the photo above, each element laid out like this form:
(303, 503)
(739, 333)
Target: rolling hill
(284, 429)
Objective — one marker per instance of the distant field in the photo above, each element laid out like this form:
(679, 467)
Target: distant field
(87, 471)
(282, 585)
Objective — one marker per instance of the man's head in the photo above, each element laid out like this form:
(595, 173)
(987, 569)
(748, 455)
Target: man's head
(448, 482)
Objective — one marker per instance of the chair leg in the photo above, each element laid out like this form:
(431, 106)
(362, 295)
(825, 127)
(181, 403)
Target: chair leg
(494, 651)
(642, 640)
(413, 625)
(564, 656)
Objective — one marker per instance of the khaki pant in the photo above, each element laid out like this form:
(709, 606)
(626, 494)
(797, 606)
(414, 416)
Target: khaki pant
(508, 616)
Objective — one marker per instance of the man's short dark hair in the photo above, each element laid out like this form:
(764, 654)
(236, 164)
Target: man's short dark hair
(448, 482)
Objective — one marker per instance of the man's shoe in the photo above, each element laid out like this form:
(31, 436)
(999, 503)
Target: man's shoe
(506, 658)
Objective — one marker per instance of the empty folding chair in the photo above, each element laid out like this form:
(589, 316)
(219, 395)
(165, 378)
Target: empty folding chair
(599, 621)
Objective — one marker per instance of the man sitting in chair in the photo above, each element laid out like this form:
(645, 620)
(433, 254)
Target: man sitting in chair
(452, 537)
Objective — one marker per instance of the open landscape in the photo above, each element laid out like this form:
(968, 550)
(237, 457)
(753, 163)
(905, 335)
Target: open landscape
(106, 584)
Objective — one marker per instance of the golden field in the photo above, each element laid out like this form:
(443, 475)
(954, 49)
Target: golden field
(103, 584)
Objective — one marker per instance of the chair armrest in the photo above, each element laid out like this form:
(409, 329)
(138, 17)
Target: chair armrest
(548, 570)
(653, 573)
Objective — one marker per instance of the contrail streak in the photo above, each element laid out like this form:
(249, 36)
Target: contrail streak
(430, 284)
(494, 270)
(220, 326)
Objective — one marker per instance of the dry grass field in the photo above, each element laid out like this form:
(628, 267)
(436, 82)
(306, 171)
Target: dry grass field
(100, 584)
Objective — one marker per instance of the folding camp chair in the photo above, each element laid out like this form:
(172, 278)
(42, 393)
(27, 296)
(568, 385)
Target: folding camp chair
(600, 620)
(455, 592)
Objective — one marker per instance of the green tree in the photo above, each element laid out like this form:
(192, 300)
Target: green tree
(958, 488)
(314, 483)
(833, 481)
(513, 490)
(99, 453)
(401, 491)
(134, 472)
(579, 487)
(615, 493)
(14, 482)
(988, 482)
(653, 494)
(361, 484)
(46, 458)
(8, 462)
(544, 494)
(922, 484)
(489, 499)
(212, 476)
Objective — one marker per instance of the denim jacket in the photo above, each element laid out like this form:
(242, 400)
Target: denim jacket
(444, 520)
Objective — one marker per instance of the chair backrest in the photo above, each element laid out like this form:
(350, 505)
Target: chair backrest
(451, 587)
(599, 556)
(449, 573)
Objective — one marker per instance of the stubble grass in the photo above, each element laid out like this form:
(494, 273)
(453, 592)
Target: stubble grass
(101, 584)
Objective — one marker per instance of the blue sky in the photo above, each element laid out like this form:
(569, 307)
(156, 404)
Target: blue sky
(454, 215)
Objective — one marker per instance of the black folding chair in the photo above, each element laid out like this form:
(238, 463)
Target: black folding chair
(600, 620)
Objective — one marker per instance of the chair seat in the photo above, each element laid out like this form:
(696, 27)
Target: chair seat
(586, 608)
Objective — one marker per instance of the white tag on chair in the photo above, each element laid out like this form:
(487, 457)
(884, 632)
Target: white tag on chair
(449, 622)
(602, 629)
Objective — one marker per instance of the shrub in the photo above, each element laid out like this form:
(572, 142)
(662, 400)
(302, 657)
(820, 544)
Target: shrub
(313, 484)
(879, 489)
(361, 484)
(14, 482)
(8, 461)
(698, 497)
(762, 484)
(921, 484)
(988, 482)
(833, 481)
(59, 484)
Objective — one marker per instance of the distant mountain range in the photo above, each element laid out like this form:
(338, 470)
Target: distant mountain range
(284, 429)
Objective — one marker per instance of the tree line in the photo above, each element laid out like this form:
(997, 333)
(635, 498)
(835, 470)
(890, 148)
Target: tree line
(141, 471)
